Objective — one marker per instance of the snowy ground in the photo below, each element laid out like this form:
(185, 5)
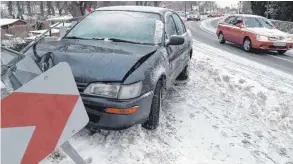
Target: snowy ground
(231, 111)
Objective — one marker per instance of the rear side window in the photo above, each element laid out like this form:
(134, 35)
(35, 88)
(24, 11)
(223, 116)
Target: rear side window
(180, 26)
(230, 20)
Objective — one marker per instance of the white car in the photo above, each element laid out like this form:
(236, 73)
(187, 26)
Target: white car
(193, 15)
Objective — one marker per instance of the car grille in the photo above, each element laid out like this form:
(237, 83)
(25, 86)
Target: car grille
(280, 47)
(81, 86)
(277, 38)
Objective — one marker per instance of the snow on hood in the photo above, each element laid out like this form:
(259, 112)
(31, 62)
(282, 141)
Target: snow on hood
(268, 32)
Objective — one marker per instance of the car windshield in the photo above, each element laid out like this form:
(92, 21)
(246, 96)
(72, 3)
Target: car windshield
(252, 22)
(194, 12)
(136, 27)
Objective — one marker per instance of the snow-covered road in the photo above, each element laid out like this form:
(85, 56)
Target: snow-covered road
(231, 111)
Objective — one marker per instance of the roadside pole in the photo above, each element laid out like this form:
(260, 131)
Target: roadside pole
(268, 9)
(185, 9)
(72, 153)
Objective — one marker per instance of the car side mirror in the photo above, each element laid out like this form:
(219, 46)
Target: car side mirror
(240, 25)
(175, 40)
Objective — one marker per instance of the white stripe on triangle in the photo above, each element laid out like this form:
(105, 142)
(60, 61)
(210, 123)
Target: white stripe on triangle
(77, 120)
(14, 145)
(57, 80)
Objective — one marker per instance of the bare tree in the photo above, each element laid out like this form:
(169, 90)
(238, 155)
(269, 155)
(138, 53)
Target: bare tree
(42, 8)
(19, 10)
(77, 8)
(74, 9)
(10, 8)
(60, 6)
(50, 7)
(157, 3)
(66, 7)
(29, 9)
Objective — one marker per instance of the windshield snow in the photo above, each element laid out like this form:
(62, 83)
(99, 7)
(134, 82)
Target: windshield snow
(125, 25)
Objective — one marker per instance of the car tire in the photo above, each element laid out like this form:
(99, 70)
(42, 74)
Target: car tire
(154, 117)
(281, 52)
(221, 38)
(247, 46)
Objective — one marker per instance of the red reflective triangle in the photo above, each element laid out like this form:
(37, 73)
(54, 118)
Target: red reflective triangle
(48, 112)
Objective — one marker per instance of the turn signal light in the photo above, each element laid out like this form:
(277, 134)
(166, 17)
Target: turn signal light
(122, 110)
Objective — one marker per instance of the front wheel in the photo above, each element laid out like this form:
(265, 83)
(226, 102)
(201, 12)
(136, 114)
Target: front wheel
(154, 117)
(221, 38)
(281, 51)
(247, 46)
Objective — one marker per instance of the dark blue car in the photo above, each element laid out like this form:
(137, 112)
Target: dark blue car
(123, 60)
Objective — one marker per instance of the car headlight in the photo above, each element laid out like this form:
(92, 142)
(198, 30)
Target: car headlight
(261, 38)
(290, 38)
(113, 90)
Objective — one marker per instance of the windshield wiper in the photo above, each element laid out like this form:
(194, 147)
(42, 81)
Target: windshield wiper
(75, 37)
(119, 40)
(122, 40)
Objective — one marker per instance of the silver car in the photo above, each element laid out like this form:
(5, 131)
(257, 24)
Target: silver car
(193, 15)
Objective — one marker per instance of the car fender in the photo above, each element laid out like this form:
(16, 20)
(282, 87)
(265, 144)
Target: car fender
(150, 71)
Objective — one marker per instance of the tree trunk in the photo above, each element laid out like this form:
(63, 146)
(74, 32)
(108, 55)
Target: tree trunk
(42, 8)
(58, 7)
(66, 7)
(156, 3)
(10, 8)
(74, 9)
(29, 9)
(82, 6)
(18, 10)
(50, 7)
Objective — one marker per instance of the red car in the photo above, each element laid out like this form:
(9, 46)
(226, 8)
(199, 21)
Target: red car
(253, 32)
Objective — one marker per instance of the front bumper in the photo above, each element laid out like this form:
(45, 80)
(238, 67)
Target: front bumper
(98, 118)
(269, 45)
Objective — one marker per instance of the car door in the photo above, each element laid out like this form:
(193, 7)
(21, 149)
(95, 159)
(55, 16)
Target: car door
(227, 27)
(172, 50)
(236, 32)
(184, 49)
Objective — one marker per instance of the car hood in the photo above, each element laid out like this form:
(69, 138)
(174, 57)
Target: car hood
(92, 60)
(267, 32)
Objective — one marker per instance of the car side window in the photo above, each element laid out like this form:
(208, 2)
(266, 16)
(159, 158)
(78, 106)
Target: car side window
(230, 19)
(170, 27)
(237, 20)
(180, 26)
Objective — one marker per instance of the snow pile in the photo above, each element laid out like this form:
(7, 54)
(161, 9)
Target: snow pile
(13, 43)
(207, 26)
(230, 111)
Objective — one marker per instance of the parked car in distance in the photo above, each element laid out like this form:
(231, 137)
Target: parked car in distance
(123, 59)
(211, 15)
(253, 32)
(193, 15)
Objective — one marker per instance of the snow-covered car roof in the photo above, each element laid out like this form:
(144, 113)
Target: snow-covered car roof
(158, 10)
(247, 15)
(5, 21)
